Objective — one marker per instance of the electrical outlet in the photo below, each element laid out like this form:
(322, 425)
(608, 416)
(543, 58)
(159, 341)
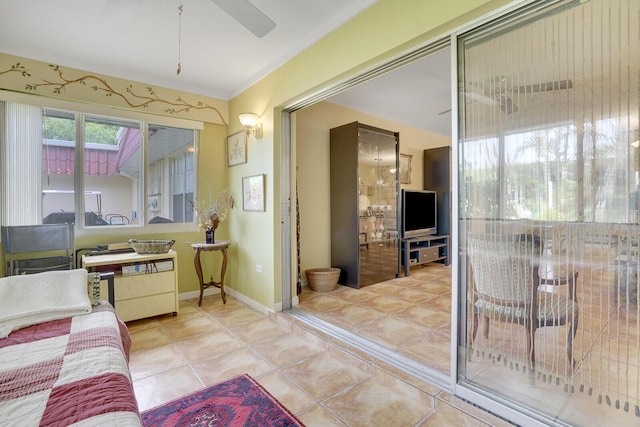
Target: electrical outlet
(258, 268)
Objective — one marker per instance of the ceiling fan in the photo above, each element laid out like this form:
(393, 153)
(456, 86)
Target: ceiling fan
(499, 90)
(248, 16)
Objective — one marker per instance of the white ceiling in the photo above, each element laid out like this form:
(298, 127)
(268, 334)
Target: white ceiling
(417, 95)
(138, 40)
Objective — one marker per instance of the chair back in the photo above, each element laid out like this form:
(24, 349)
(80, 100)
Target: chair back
(504, 267)
(35, 248)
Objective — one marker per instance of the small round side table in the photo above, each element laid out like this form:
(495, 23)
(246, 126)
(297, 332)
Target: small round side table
(221, 246)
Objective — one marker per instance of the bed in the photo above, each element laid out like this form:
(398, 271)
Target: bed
(63, 353)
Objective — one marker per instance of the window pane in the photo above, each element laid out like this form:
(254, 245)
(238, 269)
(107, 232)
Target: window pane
(112, 171)
(58, 163)
(171, 174)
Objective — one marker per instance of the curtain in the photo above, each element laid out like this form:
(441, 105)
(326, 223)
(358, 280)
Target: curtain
(549, 107)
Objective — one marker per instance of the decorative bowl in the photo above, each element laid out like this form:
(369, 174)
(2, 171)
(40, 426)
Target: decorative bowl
(151, 246)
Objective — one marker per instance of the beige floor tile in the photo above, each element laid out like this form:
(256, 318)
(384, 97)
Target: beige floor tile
(415, 296)
(137, 325)
(390, 332)
(238, 316)
(208, 345)
(148, 338)
(189, 327)
(446, 415)
(186, 310)
(352, 316)
(324, 303)
(317, 416)
(434, 287)
(442, 303)
(324, 374)
(432, 349)
(260, 330)
(424, 316)
(381, 400)
(287, 393)
(460, 405)
(168, 385)
(387, 305)
(382, 288)
(282, 351)
(228, 365)
(350, 294)
(147, 362)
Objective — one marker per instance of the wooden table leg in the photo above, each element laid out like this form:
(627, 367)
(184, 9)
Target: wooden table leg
(224, 270)
(198, 266)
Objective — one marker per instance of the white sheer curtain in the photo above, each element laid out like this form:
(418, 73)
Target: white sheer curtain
(21, 164)
(549, 145)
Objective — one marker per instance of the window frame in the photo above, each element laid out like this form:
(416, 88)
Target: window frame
(58, 104)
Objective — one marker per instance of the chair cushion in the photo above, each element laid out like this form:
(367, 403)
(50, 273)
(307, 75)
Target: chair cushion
(553, 309)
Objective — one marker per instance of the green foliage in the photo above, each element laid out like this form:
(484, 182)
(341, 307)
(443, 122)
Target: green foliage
(65, 130)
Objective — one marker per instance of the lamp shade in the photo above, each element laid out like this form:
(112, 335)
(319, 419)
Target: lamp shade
(248, 119)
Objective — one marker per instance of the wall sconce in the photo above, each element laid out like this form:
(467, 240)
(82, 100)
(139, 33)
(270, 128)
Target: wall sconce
(252, 124)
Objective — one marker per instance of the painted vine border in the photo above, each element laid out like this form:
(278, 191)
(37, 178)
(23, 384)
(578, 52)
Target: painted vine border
(132, 98)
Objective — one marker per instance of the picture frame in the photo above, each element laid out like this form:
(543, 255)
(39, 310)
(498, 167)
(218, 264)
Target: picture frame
(253, 193)
(405, 168)
(237, 149)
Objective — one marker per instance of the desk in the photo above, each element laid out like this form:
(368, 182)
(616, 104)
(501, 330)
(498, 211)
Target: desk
(221, 246)
(146, 293)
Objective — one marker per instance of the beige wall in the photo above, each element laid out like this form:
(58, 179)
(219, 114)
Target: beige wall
(312, 165)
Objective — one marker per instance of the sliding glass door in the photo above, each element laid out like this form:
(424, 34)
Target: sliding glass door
(548, 173)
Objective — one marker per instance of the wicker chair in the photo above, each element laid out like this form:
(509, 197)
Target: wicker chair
(507, 287)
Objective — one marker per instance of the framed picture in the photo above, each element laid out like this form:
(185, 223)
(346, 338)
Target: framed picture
(405, 168)
(253, 193)
(153, 204)
(237, 149)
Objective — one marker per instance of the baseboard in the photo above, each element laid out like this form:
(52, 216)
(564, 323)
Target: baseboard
(234, 294)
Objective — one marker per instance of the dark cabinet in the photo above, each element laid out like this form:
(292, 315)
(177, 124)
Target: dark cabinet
(364, 204)
(437, 177)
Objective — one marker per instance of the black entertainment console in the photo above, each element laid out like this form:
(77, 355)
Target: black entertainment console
(423, 249)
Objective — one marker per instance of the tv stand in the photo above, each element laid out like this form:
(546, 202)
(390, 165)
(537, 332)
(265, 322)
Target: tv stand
(423, 249)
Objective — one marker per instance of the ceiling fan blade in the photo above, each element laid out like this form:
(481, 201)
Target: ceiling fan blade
(544, 87)
(248, 15)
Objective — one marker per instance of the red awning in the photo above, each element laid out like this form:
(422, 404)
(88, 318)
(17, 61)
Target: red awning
(61, 160)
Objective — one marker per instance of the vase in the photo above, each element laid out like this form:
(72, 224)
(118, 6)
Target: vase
(209, 236)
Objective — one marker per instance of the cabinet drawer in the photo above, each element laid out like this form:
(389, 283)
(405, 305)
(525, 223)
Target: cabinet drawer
(144, 284)
(139, 308)
(428, 254)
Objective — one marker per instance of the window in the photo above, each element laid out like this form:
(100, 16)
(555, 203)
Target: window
(111, 153)
(171, 174)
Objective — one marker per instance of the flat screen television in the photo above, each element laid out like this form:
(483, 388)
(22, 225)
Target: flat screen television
(419, 213)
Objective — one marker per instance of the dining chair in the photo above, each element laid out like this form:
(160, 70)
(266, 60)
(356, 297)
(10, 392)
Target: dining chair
(507, 287)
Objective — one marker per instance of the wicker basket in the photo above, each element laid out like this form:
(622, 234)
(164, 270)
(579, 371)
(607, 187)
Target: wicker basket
(151, 246)
(323, 279)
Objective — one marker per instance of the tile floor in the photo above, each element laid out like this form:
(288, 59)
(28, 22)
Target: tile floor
(409, 315)
(324, 383)
(412, 316)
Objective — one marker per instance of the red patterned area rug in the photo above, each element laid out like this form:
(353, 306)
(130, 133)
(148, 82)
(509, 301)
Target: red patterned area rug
(240, 401)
